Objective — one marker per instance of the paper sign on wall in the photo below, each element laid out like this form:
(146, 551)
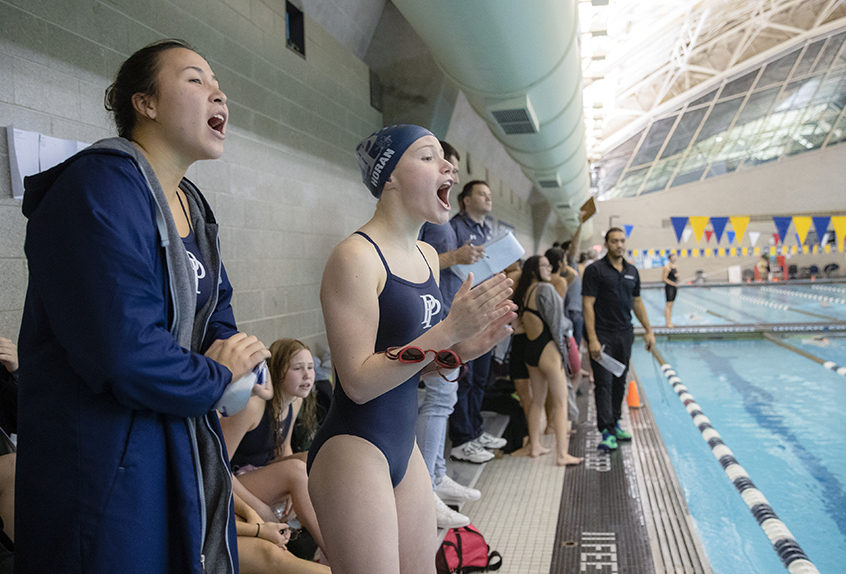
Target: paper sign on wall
(32, 152)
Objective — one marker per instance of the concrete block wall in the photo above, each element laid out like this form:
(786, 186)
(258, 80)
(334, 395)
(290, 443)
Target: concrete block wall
(287, 188)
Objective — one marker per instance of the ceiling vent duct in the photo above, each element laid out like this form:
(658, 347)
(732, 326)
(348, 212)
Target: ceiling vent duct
(549, 180)
(519, 65)
(515, 116)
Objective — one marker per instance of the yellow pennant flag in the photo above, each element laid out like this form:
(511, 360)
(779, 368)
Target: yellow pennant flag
(698, 223)
(739, 224)
(827, 248)
(815, 249)
(756, 251)
(802, 224)
(745, 251)
(839, 223)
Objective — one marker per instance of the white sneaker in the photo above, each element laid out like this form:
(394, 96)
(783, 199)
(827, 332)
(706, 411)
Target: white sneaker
(487, 440)
(450, 491)
(447, 517)
(471, 452)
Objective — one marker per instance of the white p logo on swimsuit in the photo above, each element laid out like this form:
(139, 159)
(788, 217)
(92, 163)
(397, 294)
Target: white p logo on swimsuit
(431, 307)
(199, 270)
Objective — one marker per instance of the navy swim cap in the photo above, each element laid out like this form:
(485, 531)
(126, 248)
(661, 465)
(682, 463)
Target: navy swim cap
(378, 154)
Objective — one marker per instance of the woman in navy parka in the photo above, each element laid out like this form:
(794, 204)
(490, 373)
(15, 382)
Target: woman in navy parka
(128, 340)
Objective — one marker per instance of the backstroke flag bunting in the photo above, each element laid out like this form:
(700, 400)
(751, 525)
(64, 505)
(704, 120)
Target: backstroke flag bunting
(782, 225)
(821, 226)
(739, 223)
(839, 223)
(698, 223)
(753, 237)
(719, 225)
(802, 224)
(679, 223)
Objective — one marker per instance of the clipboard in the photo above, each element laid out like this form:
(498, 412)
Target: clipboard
(500, 252)
(589, 207)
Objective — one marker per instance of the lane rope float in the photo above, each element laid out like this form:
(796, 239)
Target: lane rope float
(783, 542)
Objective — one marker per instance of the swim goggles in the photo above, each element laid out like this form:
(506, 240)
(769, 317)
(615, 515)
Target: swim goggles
(444, 359)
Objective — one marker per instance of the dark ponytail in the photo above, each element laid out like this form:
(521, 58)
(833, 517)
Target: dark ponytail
(136, 75)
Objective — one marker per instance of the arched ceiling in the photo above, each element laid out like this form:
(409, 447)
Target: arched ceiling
(637, 56)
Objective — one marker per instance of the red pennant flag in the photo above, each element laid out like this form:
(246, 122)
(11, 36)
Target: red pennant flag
(708, 235)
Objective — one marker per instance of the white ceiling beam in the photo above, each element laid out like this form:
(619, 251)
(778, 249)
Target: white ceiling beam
(826, 12)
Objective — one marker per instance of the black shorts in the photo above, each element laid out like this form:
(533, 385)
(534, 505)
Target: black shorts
(670, 293)
(517, 357)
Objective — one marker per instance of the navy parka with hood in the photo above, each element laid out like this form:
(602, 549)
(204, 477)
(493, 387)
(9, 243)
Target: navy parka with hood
(121, 462)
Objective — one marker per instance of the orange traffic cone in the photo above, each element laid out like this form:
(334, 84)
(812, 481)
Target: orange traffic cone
(632, 397)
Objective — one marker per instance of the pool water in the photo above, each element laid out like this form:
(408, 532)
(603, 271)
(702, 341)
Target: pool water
(783, 417)
(772, 303)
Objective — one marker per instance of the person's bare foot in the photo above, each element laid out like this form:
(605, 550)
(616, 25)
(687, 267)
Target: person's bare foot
(540, 451)
(568, 460)
(525, 450)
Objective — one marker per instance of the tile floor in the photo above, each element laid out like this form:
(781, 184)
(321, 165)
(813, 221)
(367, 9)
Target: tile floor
(518, 511)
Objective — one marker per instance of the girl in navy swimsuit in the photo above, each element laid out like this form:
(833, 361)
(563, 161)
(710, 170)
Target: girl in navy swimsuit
(267, 471)
(369, 485)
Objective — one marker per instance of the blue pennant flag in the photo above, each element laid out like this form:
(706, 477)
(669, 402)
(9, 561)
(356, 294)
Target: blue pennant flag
(628, 229)
(719, 225)
(730, 236)
(821, 226)
(782, 225)
(679, 223)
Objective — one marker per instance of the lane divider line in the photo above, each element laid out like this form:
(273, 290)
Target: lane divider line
(792, 293)
(783, 542)
(830, 365)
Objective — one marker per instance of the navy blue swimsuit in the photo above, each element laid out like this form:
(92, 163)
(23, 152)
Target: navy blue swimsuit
(406, 311)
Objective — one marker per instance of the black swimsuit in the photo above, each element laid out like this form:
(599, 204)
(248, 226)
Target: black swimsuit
(534, 347)
(670, 290)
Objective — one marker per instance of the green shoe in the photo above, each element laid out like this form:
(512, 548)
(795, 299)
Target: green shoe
(608, 442)
(622, 435)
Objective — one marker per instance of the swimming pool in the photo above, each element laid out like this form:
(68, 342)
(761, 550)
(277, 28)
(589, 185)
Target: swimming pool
(782, 416)
(769, 303)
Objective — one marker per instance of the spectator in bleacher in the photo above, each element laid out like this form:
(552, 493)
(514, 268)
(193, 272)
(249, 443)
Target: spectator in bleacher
(267, 472)
(763, 268)
(128, 340)
(469, 440)
(541, 310)
(8, 386)
(610, 292)
(440, 394)
(383, 313)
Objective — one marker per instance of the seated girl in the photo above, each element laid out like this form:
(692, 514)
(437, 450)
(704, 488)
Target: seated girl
(258, 438)
(262, 546)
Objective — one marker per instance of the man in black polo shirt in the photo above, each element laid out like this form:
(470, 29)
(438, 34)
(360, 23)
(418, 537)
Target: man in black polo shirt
(610, 292)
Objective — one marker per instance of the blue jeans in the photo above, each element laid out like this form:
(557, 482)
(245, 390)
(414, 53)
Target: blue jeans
(465, 423)
(438, 401)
